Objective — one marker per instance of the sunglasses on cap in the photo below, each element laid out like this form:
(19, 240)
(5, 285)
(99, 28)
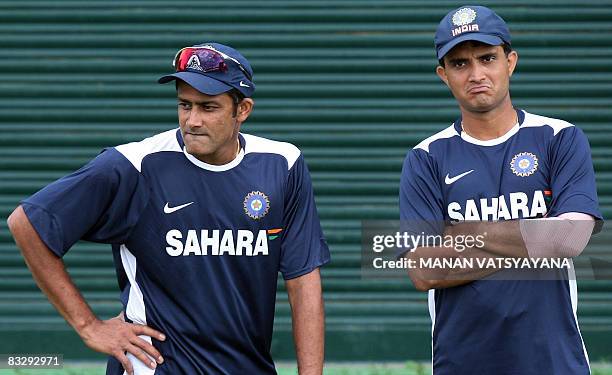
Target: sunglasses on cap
(205, 59)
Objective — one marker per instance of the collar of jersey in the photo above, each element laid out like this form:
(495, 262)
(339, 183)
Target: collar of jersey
(213, 167)
(495, 141)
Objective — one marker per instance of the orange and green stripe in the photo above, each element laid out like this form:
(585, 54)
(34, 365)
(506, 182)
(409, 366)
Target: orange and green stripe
(274, 233)
(547, 195)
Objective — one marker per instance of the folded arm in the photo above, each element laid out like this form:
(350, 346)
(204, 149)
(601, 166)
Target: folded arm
(559, 237)
(564, 236)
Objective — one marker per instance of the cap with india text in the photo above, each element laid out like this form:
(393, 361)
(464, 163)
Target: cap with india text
(470, 23)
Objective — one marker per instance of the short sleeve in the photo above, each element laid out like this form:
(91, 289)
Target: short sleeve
(572, 175)
(100, 202)
(303, 247)
(421, 203)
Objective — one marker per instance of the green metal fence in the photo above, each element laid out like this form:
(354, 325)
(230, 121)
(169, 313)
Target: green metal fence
(351, 83)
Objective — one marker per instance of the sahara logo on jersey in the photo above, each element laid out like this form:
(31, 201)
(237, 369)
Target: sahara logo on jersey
(220, 242)
(517, 206)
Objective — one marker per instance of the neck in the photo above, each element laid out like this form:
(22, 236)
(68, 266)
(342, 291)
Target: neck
(489, 125)
(222, 157)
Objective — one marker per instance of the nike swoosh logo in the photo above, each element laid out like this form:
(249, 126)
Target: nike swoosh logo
(169, 210)
(449, 181)
(242, 84)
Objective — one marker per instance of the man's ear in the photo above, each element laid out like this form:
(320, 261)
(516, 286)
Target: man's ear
(441, 72)
(245, 107)
(512, 60)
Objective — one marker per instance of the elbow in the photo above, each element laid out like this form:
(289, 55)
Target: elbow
(567, 251)
(8, 223)
(572, 244)
(421, 284)
(11, 221)
(16, 220)
(418, 276)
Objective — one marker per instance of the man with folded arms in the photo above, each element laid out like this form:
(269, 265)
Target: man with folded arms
(524, 182)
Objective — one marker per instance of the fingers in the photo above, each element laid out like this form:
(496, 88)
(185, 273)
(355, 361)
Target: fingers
(118, 338)
(142, 356)
(140, 329)
(125, 362)
(149, 349)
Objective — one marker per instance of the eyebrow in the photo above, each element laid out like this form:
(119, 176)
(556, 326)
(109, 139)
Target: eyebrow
(488, 53)
(206, 102)
(455, 60)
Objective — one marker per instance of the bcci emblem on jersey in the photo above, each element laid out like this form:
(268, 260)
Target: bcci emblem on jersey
(256, 205)
(524, 164)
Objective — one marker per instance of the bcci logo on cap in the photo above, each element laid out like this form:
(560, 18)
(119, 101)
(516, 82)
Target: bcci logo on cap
(256, 205)
(463, 18)
(524, 164)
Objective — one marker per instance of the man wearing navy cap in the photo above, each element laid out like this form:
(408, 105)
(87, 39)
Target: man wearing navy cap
(513, 166)
(201, 219)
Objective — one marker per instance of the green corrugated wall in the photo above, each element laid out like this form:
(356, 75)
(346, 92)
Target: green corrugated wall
(351, 83)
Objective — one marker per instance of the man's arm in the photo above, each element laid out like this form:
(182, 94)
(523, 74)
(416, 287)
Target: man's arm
(424, 279)
(113, 336)
(308, 320)
(564, 236)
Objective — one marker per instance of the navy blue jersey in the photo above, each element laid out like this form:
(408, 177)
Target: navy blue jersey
(197, 247)
(541, 167)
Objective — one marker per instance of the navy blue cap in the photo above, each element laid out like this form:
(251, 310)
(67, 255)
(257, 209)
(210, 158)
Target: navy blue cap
(238, 76)
(470, 23)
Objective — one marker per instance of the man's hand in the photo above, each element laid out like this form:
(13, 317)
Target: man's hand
(115, 337)
(424, 279)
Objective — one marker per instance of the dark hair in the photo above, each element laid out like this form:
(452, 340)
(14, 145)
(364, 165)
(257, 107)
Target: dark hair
(237, 97)
(507, 49)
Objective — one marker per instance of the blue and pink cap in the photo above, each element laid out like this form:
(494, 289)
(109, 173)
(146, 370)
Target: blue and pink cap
(212, 69)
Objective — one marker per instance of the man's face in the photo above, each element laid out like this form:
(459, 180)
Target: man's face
(478, 75)
(208, 124)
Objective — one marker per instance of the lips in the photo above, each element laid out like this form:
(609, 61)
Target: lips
(478, 89)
